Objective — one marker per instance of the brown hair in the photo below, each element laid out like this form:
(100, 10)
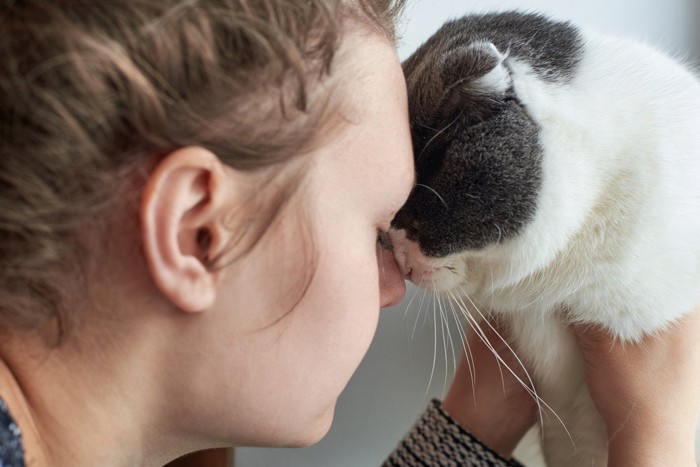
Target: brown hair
(92, 91)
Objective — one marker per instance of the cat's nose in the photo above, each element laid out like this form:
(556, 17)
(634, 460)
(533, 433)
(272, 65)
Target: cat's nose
(408, 255)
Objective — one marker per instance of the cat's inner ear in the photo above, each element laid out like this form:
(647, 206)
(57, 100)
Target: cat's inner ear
(477, 67)
(497, 80)
(475, 78)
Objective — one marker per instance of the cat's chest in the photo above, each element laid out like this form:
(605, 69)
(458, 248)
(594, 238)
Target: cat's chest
(626, 294)
(508, 285)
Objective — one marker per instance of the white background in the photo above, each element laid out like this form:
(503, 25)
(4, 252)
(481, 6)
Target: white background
(390, 389)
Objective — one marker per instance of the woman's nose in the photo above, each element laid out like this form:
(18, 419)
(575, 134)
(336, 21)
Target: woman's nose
(392, 287)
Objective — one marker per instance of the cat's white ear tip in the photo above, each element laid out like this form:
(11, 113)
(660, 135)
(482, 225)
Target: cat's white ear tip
(490, 48)
(497, 53)
(497, 80)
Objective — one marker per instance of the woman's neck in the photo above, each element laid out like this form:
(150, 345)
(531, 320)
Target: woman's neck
(12, 394)
(74, 408)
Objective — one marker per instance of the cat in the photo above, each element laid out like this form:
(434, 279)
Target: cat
(558, 181)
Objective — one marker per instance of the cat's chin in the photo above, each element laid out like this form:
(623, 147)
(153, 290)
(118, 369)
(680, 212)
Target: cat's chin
(437, 279)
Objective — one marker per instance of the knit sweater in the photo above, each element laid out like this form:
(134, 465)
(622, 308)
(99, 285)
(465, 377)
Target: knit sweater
(11, 453)
(436, 439)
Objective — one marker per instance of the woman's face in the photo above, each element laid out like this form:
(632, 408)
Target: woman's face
(294, 356)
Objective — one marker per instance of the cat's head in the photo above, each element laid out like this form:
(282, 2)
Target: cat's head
(478, 161)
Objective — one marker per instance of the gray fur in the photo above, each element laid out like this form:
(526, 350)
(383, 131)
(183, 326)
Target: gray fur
(552, 48)
(478, 159)
(488, 178)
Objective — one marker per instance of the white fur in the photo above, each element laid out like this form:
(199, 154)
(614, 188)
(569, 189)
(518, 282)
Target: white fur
(498, 79)
(616, 237)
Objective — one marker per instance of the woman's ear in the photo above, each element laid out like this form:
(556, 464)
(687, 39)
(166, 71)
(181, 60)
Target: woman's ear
(183, 203)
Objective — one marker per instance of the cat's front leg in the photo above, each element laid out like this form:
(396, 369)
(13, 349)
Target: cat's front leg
(584, 441)
(573, 432)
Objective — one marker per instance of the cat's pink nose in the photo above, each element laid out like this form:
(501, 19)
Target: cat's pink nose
(411, 261)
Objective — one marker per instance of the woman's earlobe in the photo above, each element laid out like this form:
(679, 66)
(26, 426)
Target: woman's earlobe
(181, 206)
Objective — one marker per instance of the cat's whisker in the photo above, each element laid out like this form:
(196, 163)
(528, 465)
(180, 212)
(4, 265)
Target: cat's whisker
(435, 192)
(408, 306)
(432, 370)
(500, 233)
(493, 290)
(445, 320)
(420, 309)
(425, 315)
(430, 141)
(428, 127)
(450, 302)
(459, 336)
(482, 335)
(443, 326)
(465, 343)
(529, 388)
(474, 325)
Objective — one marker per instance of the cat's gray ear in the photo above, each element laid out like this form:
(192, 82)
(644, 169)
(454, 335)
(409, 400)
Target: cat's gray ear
(475, 80)
(477, 67)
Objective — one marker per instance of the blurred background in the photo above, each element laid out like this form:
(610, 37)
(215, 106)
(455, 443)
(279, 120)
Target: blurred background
(393, 384)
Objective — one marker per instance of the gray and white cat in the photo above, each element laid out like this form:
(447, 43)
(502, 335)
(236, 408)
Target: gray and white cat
(558, 180)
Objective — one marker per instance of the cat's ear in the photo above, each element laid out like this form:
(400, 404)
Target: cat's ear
(477, 67)
(475, 78)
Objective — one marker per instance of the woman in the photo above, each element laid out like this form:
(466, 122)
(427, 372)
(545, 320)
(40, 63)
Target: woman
(191, 198)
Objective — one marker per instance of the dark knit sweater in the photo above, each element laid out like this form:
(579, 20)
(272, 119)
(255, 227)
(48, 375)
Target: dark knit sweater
(437, 439)
(11, 453)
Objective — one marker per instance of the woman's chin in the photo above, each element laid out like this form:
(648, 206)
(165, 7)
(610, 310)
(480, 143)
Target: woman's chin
(315, 431)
